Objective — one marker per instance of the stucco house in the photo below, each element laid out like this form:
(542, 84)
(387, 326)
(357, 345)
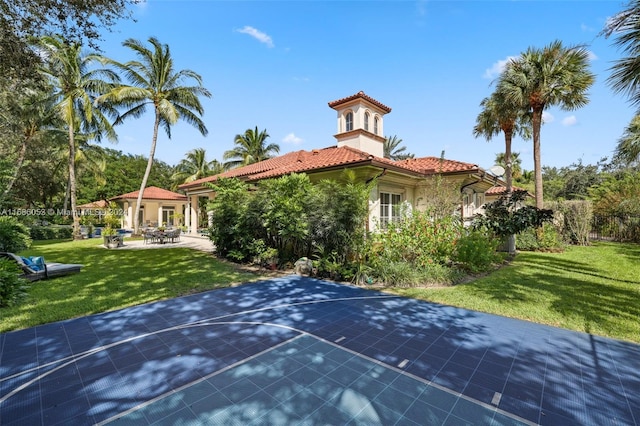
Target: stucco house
(360, 130)
(159, 206)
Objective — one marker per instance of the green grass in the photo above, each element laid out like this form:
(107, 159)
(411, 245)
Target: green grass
(113, 279)
(592, 289)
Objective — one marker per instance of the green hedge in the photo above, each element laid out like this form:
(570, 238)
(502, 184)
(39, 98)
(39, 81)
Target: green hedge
(51, 233)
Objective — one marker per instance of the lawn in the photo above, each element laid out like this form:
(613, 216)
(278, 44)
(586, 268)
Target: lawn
(113, 279)
(592, 289)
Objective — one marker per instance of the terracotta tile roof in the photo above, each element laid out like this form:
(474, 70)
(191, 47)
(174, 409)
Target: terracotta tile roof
(499, 190)
(153, 193)
(333, 157)
(360, 95)
(430, 165)
(100, 204)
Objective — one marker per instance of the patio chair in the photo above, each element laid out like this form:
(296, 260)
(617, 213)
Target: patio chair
(35, 268)
(149, 235)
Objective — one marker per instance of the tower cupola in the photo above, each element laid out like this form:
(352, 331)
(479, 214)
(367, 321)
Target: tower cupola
(360, 123)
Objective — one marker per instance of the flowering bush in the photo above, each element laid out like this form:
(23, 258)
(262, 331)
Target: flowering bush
(420, 239)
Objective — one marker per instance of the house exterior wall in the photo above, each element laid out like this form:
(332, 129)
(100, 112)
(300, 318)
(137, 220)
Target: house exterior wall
(152, 212)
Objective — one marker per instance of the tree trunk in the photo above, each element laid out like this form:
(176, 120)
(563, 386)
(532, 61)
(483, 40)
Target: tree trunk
(537, 166)
(72, 183)
(508, 135)
(136, 225)
(14, 178)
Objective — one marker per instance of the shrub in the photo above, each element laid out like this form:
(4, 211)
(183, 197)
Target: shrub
(476, 251)
(51, 232)
(12, 287)
(551, 239)
(14, 235)
(575, 219)
(420, 239)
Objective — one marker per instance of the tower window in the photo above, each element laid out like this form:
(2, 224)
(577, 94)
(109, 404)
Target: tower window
(349, 121)
(366, 121)
(375, 125)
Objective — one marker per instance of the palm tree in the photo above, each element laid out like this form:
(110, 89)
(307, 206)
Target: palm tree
(391, 150)
(500, 115)
(625, 75)
(540, 78)
(75, 89)
(155, 82)
(516, 164)
(628, 148)
(250, 148)
(196, 166)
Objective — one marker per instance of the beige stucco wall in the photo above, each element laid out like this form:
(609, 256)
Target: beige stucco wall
(152, 212)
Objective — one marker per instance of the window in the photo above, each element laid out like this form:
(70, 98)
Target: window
(389, 208)
(349, 119)
(167, 216)
(375, 125)
(366, 121)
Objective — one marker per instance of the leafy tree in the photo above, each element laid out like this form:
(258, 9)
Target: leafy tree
(155, 82)
(540, 78)
(76, 87)
(393, 150)
(195, 166)
(27, 118)
(122, 175)
(617, 194)
(76, 21)
(250, 148)
(507, 216)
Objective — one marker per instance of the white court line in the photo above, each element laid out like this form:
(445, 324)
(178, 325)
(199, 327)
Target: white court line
(73, 358)
(206, 322)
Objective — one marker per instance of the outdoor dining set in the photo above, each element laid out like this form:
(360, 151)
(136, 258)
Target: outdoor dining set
(161, 236)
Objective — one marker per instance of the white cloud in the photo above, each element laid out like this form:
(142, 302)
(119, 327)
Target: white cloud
(497, 68)
(586, 28)
(303, 79)
(569, 121)
(292, 139)
(257, 34)
(547, 117)
(592, 56)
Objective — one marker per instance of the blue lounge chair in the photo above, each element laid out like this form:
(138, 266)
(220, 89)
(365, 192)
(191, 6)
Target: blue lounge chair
(35, 268)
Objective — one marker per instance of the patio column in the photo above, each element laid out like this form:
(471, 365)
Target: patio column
(187, 213)
(193, 207)
(128, 217)
(159, 214)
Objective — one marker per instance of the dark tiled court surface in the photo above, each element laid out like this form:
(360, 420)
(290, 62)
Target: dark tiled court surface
(301, 351)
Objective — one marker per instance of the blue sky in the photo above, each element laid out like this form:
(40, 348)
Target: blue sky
(276, 65)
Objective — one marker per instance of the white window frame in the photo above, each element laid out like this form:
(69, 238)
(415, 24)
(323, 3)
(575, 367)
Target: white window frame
(348, 118)
(375, 125)
(390, 208)
(366, 121)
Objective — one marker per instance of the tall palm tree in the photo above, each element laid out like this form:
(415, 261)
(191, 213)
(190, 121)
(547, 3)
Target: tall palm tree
(500, 115)
(155, 82)
(539, 78)
(628, 148)
(392, 149)
(250, 148)
(625, 76)
(516, 164)
(75, 88)
(195, 166)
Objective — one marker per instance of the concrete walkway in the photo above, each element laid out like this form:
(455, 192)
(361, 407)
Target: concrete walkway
(186, 241)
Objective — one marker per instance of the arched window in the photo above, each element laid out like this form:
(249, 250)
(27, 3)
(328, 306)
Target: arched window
(349, 120)
(366, 121)
(375, 125)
